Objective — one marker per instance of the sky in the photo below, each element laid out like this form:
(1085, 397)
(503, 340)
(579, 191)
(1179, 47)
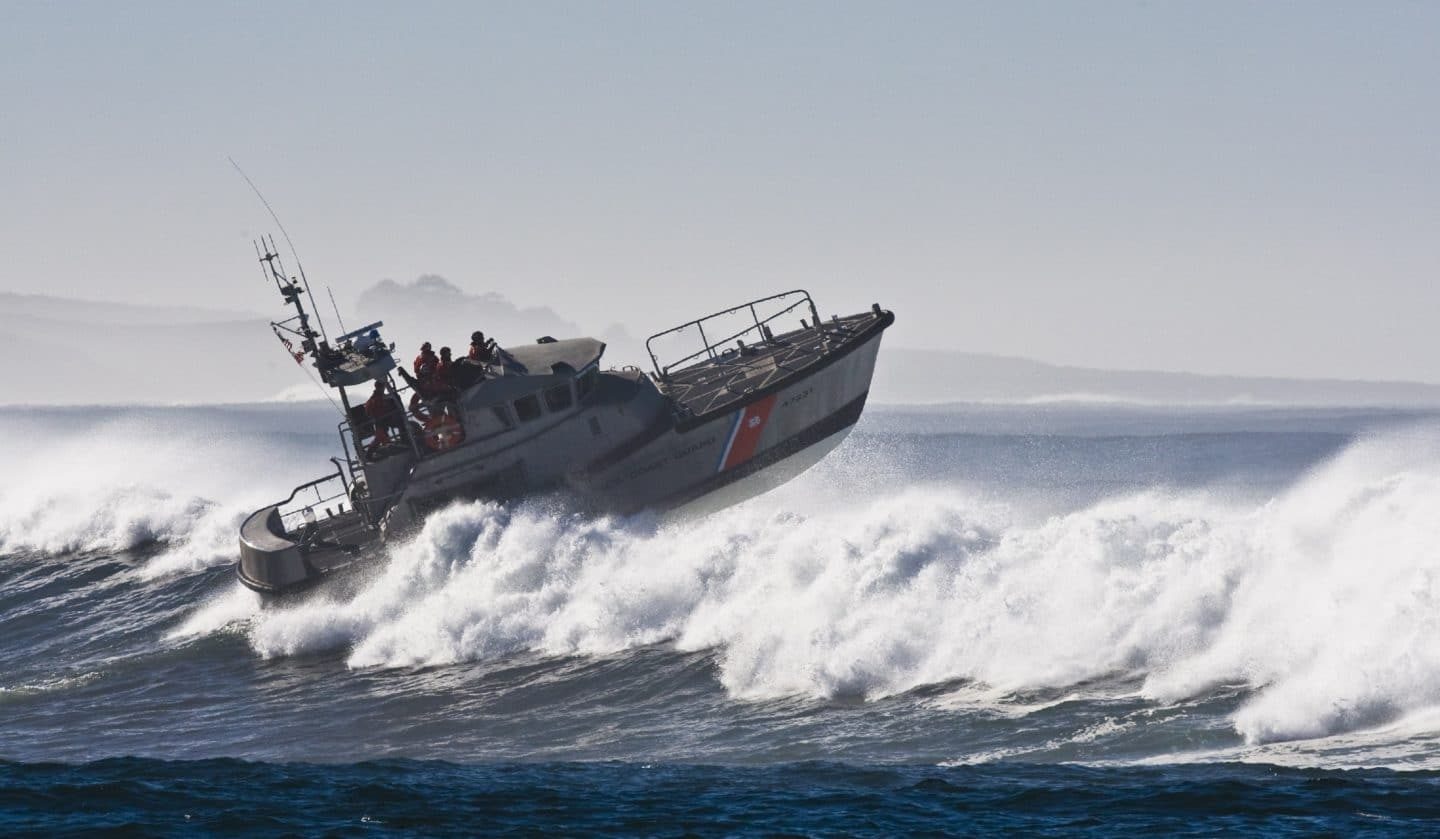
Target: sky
(1219, 187)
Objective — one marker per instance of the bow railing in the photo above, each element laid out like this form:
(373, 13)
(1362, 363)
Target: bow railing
(787, 301)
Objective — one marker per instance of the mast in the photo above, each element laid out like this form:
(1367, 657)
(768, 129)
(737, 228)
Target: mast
(340, 366)
(311, 342)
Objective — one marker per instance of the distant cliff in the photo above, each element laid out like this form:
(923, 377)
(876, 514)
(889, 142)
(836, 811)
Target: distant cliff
(70, 352)
(79, 352)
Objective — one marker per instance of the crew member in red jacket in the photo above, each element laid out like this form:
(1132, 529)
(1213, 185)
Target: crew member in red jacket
(378, 408)
(442, 370)
(425, 359)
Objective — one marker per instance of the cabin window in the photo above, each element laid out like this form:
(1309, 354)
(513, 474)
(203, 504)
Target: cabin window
(585, 384)
(487, 422)
(557, 398)
(527, 408)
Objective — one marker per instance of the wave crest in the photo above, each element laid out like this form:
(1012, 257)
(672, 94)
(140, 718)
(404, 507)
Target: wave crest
(1322, 600)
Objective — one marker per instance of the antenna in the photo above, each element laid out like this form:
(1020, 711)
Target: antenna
(293, 252)
(338, 319)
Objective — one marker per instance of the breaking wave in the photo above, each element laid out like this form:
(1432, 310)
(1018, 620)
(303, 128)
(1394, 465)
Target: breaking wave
(1318, 605)
(1321, 602)
(107, 480)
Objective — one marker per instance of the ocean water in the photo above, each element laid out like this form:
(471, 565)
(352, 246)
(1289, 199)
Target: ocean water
(1043, 618)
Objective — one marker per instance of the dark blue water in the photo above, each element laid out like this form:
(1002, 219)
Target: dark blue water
(968, 620)
(809, 799)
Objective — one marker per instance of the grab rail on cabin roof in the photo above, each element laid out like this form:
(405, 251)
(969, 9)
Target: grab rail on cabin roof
(758, 327)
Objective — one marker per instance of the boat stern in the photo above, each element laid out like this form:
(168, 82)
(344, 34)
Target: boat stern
(270, 561)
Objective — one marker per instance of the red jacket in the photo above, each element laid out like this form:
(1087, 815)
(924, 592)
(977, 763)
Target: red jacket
(378, 405)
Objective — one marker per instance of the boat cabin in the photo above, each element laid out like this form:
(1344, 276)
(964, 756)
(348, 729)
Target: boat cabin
(531, 384)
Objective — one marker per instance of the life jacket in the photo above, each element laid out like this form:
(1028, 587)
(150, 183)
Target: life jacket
(422, 360)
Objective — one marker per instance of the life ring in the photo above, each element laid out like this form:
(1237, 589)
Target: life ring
(443, 432)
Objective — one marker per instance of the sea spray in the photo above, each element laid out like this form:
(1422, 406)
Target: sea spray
(114, 479)
(1322, 600)
(1316, 603)
(110, 519)
(1335, 618)
(1144, 595)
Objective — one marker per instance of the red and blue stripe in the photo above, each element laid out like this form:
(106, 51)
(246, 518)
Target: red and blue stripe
(745, 431)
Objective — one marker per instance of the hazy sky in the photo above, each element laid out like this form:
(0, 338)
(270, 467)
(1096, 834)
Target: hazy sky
(1218, 187)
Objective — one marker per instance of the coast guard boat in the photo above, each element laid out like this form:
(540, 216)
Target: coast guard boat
(753, 405)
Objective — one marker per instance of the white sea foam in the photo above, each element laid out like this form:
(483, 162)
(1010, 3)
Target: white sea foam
(1323, 600)
(129, 479)
(1334, 610)
(224, 611)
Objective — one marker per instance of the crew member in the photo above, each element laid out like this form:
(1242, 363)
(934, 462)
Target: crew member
(420, 389)
(378, 408)
(481, 350)
(443, 370)
(425, 359)
(439, 389)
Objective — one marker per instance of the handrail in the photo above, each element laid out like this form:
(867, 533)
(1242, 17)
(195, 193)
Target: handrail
(287, 520)
(329, 476)
(345, 430)
(709, 346)
(407, 419)
(338, 474)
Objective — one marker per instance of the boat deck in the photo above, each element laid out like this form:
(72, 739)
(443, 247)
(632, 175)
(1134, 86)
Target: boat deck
(734, 376)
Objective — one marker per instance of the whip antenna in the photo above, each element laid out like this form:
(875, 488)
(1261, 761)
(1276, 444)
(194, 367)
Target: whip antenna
(283, 232)
(338, 319)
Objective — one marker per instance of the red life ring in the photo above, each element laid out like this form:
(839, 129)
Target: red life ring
(443, 432)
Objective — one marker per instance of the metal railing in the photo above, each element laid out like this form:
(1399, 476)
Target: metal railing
(293, 520)
(296, 514)
(403, 420)
(757, 326)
